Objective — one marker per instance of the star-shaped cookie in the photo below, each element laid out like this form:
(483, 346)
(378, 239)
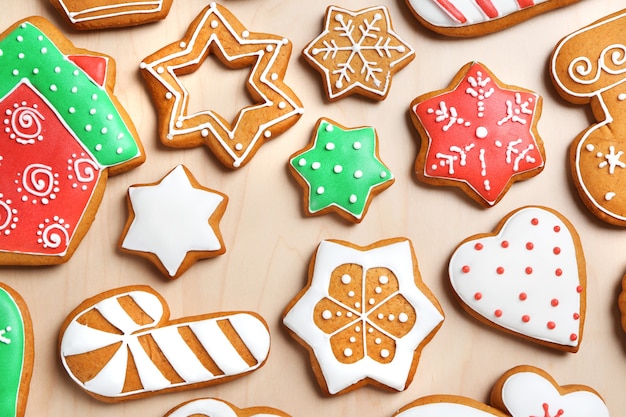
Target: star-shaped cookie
(478, 134)
(358, 52)
(275, 107)
(364, 316)
(174, 222)
(340, 170)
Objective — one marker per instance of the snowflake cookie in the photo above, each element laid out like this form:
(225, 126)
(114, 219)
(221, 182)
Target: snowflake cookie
(358, 52)
(466, 18)
(340, 170)
(17, 352)
(217, 408)
(63, 134)
(364, 316)
(524, 391)
(527, 279)
(587, 67)
(478, 135)
(174, 222)
(275, 107)
(121, 345)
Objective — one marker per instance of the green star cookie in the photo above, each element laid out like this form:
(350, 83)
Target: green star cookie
(340, 170)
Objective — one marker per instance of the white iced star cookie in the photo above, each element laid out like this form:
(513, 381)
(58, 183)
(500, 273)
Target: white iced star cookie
(364, 316)
(174, 222)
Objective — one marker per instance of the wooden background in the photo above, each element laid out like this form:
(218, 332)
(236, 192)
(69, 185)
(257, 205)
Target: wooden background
(269, 241)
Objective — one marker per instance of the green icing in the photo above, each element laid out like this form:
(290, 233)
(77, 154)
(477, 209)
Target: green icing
(27, 54)
(341, 168)
(11, 353)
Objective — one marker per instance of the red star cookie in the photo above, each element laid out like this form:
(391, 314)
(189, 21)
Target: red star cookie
(478, 134)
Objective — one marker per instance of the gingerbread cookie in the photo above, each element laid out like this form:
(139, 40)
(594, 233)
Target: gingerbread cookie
(587, 68)
(478, 134)
(364, 315)
(467, 18)
(528, 278)
(340, 170)
(64, 133)
(217, 408)
(358, 52)
(174, 222)
(275, 109)
(121, 345)
(100, 14)
(521, 392)
(17, 352)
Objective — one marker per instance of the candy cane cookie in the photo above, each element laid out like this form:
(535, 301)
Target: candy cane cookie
(17, 352)
(121, 345)
(275, 107)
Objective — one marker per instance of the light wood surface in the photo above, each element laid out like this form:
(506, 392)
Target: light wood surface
(269, 241)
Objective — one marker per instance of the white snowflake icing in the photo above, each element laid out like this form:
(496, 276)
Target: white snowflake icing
(611, 160)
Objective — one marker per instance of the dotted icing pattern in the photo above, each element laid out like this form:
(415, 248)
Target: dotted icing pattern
(12, 341)
(27, 55)
(341, 168)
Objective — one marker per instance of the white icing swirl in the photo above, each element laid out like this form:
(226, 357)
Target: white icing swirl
(26, 124)
(612, 60)
(85, 170)
(38, 180)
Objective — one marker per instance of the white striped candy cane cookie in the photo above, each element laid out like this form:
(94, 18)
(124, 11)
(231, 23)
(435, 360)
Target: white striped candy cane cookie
(121, 345)
(217, 408)
(466, 18)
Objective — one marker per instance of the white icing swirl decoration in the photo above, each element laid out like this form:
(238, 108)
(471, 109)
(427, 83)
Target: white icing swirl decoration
(38, 180)
(5, 215)
(25, 124)
(53, 235)
(612, 60)
(85, 170)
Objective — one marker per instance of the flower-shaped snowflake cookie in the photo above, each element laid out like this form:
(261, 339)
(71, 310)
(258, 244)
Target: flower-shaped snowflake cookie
(174, 222)
(364, 316)
(340, 170)
(478, 135)
(358, 52)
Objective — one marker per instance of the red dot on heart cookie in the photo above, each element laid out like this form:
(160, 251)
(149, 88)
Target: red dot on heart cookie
(500, 270)
(530, 246)
(579, 289)
(497, 313)
(523, 296)
(557, 229)
(528, 270)
(576, 316)
(525, 318)
(465, 269)
(479, 246)
(551, 325)
(556, 250)
(573, 337)
(505, 244)
(558, 272)
(478, 296)
(554, 302)
(534, 221)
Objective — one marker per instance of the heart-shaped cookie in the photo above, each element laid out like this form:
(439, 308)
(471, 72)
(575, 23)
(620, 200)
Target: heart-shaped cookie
(528, 278)
(523, 391)
(217, 408)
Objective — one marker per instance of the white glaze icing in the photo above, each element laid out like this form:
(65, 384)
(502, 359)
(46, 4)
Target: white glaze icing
(491, 275)
(529, 394)
(210, 407)
(435, 13)
(112, 10)
(443, 409)
(397, 257)
(172, 219)
(109, 381)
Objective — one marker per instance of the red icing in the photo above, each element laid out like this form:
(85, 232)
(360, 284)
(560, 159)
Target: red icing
(554, 302)
(573, 337)
(466, 269)
(480, 134)
(525, 3)
(523, 296)
(534, 222)
(556, 250)
(551, 325)
(525, 318)
(528, 270)
(530, 246)
(505, 244)
(558, 272)
(94, 66)
(576, 316)
(451, 10)
(579, 289)
(42, 195)
(500, 270)
(478, 296)
(488, 8)
(557, 229)
(498, 313)
(478, 246)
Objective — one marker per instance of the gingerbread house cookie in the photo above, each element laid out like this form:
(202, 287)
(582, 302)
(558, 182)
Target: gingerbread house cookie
(63, 134)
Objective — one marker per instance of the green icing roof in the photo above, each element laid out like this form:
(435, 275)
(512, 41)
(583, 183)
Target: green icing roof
(28, 55)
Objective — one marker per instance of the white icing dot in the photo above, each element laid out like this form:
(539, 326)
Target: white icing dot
(337, 169)
(356, 145)
(104, 130)
(347, 352)
(378, 290)
(98, 147)
(383, 174)
(384, 279)
(357, 305)
(330, 146)
(168, 95)
(16, 72)
(358, 174)
(329, 128)
(20, 38)
(380, 316)
(267, 134)
(205, 133)
(88, 128)
(53, 87)
(320, 190)
(94, 97)
(269, 48)
(621, 97)
(302, 162)
(92, 111)
(378, 341)
(21, 55)
(182, 44)
(109, 117)
(245, 34)
(214, 24)
(346, 279)
(353, 198)
(74, 90)
(119, 151)
(326, 314)
(371, 301)
(350, 293)
(403, 317)
(384, 353)
(160, 70)
(72, 110)
(357, 329)
(481, 132)
(274, 76)
(35, 71)
(352, 339)
(590, 147)
(282, 105)
(179, 124)
(609, 196)
(44, 50)
(316, 165)
(238, 147)
(391, 317)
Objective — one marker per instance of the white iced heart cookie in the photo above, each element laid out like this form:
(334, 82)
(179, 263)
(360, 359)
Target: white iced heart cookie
(528, 278)
(217, 408)
(523, 391)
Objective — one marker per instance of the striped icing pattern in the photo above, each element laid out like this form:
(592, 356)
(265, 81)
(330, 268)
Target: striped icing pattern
(201, 350)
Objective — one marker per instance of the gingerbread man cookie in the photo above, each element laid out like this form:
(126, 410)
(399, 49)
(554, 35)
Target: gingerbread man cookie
(275, 109)
(587, 67)
(521, 392)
